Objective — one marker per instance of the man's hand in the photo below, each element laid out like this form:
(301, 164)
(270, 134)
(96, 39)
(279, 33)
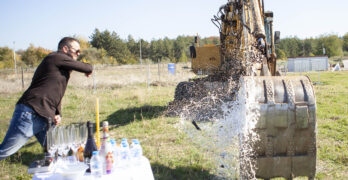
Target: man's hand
(57, 119)
(88, 74)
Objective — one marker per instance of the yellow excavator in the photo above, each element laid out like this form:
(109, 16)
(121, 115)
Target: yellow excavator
(287, 124)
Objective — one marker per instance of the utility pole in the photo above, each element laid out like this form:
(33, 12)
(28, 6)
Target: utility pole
(14, 58)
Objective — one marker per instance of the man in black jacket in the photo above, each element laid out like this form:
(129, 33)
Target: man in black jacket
(40, 105)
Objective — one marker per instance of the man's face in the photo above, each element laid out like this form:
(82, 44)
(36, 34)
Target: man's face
(74, 50)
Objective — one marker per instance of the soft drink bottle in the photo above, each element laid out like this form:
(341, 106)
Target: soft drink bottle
(106, 153)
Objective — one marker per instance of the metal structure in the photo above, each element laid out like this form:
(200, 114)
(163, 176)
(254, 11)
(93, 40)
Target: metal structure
(310, 63)
(345, 64)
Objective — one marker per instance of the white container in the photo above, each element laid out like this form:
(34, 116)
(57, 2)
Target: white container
(69, 171)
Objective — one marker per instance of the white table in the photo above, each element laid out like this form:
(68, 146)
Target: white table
(139, 171)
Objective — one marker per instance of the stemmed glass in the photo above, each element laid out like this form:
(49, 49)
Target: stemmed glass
(83, 134)
(60, 139)
(52, 144)
(66, 141)
(74, 140)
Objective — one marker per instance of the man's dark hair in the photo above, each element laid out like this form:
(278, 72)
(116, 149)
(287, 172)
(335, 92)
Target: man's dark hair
(66, 41)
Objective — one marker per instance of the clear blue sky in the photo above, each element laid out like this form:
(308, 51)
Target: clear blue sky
(44, 22)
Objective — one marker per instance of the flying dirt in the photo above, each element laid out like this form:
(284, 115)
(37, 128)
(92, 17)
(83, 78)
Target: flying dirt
(242, 86)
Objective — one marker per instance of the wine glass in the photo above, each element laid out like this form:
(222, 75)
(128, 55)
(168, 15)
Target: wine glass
(66, 141)
(74, 140)
(52, 141)
(83, 134)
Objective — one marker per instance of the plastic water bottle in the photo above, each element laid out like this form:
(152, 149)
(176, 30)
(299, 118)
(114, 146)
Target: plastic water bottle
(96, 165)
(124, 154)
(136, 150)
(115, 150)
(126, 150)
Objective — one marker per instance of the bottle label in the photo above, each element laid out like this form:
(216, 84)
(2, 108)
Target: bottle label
(124, 155)
(109, 162)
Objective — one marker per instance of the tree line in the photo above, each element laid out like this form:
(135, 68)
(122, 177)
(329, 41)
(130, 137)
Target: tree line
(330, 45)
(106, 47)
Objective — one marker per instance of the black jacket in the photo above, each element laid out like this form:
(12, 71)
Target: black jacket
(49, 83)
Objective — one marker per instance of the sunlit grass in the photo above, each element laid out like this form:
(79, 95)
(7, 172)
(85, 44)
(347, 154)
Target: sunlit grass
(135, 110)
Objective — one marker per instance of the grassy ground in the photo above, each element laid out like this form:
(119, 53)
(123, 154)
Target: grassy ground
(332, 119)
(135, 111)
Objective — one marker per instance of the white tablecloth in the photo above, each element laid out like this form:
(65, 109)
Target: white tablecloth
(139, 171)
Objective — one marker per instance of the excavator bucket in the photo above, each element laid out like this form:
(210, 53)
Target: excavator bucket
(284, 118)
(286, 127)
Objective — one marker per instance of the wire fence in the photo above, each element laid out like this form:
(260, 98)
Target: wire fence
(105, 76)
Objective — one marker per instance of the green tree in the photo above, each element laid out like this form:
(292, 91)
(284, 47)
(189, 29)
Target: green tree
(96, 56)
(308, 47)
(134, 50)
(6, 58)
(132, 45)
(183, 57)
(292, 46)
(168, 46)
(280, 54)
(145, 49)
(156, 50)
(32, 56)
(345, 42)
(179, 48)
(210, 40)
(96, 39)
(112, 43)
(331, 43)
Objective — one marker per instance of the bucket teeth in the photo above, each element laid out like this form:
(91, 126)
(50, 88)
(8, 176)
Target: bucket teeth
(286, 126)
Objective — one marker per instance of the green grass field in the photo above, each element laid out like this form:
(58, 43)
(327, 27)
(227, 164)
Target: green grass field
(135, 111)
